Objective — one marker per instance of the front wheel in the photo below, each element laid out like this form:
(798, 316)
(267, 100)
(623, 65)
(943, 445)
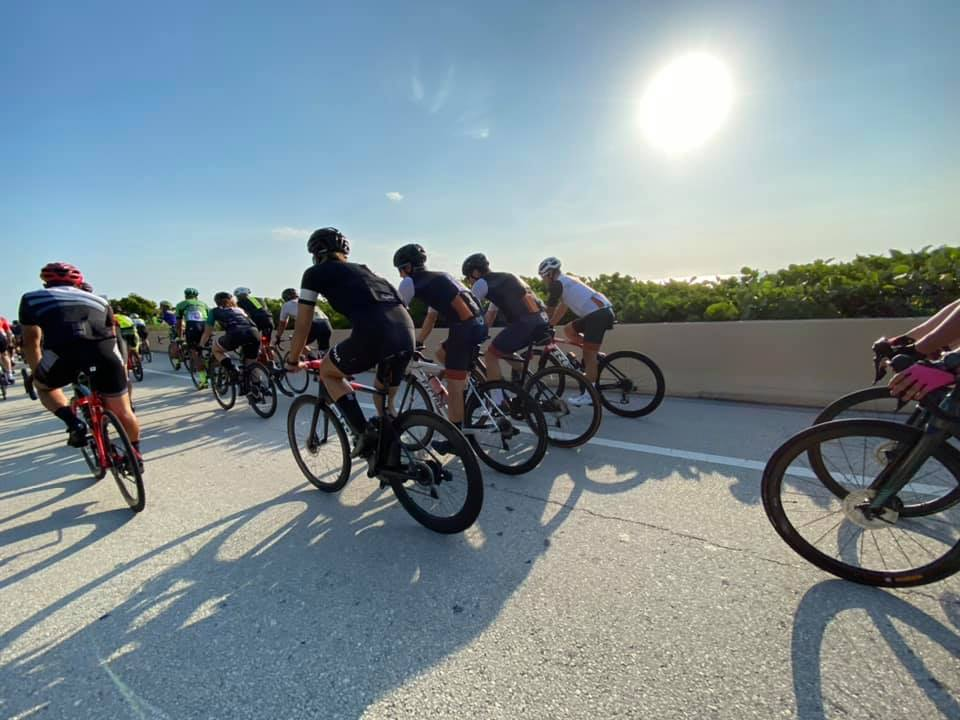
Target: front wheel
(319, 443)
(570, 405)
(296, 382)
(224, 389)
(261, 391)
(444, 493)
(838, 531)
(505, 427)
(630, 384)
(123, 463)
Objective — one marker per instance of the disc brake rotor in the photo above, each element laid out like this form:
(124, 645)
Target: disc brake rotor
(856, 509)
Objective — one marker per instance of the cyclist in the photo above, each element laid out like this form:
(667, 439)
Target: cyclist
(128, 330)
(932, 336)
(320, 328)
(450, 301)
(76, 329)
(382, 334)
(168, 317)
(6, 349)
(522, 310)
(258, 312)
(17, 329)
(191, 324)
(141, 327)
(593, 310)
(239, 332)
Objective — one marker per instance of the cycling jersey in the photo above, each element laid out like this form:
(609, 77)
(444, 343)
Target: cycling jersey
(67, 314)
(509, 294)
(352, 290)
(576, 295)
(123, 322)
(440, 291)
(169, 317)
(191, 311)
(255, 309)
(128, 330)
(231, 319)
(290, 308)
(5, 326)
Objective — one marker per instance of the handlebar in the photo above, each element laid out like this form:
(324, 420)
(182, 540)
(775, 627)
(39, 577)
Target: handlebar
(935, 402)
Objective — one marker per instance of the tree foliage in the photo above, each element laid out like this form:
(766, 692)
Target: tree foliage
(138, 305)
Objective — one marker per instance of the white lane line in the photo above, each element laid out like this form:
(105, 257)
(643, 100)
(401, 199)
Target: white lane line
(185, 378)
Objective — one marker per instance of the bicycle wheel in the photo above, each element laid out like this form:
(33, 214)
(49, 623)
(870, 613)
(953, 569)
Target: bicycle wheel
(224, 389)
(505, 427)
(3, 386)
(90, 452)
(147, 354)
(297, 383)
(137, 368)
(411, 395)
(319, 443)
(872, 403)
(123, 463)
(444, 493)
(556, 391)
(630, 384)
(175, 362)
(834, 533)
(261, 391)
(194, 372)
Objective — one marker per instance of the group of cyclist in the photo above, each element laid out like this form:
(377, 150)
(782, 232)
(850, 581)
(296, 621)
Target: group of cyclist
(66, 329)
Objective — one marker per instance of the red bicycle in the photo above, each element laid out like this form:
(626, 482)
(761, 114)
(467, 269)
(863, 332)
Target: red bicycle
(108, 446)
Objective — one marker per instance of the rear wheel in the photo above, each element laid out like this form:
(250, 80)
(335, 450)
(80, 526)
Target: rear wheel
(174, 357)
(123, 462)
(147, 354)
(296, 382)
(224, 389)
(630, 384)
(505, 427)
(441, 492)
(137, 367)
(319, 443)
(91, 454)
(261, 391)
(570, 405)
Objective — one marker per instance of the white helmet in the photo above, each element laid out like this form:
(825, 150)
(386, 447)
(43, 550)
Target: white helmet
(548, 265)
(241, 291)
(134, 316)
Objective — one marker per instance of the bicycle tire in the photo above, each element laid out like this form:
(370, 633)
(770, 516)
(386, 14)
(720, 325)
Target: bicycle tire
(296, 382)
(522, 409)
(772, 490)
(414, 396)
(548, 394)
(308, 404)
(260, 385)
(148, 354)
(224, 389)
(137, 368)
(123, 466)
(426, 470)
(3, 387)
(175, 362)
(619, 380)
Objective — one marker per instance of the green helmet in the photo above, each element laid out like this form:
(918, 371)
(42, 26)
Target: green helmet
(191, 293)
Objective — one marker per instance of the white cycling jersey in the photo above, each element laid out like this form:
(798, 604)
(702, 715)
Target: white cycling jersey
(576, 295)
(289, 310)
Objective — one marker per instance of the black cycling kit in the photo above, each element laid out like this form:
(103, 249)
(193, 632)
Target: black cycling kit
(523, 311)
(239, 331)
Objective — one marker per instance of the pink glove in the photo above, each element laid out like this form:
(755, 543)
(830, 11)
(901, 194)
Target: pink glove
(919, 380)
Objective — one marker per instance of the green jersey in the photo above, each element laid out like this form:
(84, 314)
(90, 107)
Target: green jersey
(192, 311)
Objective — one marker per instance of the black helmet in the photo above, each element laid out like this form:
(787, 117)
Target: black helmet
(289, 294)
(413, 255)
(327, 240)
(477, 261)
(222, 297)
(190, 293)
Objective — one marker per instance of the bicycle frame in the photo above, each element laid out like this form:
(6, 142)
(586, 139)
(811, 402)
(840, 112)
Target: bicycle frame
(84, 398)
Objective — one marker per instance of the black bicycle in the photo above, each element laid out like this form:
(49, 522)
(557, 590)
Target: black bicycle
(442, 492)
(252, 380)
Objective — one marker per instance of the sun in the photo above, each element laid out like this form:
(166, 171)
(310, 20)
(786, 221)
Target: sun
(686, 103)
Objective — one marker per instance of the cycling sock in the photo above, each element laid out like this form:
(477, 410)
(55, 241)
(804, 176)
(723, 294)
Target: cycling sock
(66, 414)
(350, 407)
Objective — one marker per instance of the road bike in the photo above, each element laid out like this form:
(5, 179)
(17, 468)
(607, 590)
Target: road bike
(501, 421)
(134, 364)
(874, 501)
(252, 380)
(442, 492)
(108, 446)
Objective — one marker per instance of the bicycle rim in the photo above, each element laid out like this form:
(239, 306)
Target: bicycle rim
(833, 532)
(554, 390)
(319, 444)
(630, 384)
(261, 391)
(505, 427)
(296, 382)
(411, 395)
(123, 464)
(224, 391)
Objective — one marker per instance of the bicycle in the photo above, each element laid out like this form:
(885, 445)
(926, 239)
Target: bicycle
(177, 353)
(108, 445)
(500, 430)
(630, 383)
(134, 364)
(296, 383)
(290, 384)
(905, 486)
(253, 380)
(442, 493)
(145, 352)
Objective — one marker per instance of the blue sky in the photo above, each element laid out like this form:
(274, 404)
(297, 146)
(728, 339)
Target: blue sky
(163, 145)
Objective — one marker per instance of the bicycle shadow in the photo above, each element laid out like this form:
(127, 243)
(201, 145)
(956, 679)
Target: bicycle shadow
(821, 606)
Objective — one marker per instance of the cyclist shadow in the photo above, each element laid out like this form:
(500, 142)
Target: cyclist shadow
(819, 609)
(306, 603)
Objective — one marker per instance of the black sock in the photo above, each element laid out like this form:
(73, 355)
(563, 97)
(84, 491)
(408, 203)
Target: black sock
(136, 445)
(66, 414)
(350, 408)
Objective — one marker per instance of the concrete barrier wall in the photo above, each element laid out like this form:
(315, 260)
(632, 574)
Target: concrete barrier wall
(796, 362)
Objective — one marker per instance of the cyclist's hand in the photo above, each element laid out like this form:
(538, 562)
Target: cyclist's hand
(917, 381)
(294, 366)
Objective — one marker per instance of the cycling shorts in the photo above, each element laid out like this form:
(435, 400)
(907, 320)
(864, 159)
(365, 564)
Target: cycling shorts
(247, 340)
(460, 345)
(520, 334)
(320, 331)
(383, 338)
(594, 326)
(193, 333)
(4, 345)
(60, 367)
(131, 338)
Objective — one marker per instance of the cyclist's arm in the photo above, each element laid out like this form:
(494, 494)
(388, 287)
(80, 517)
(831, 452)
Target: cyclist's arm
(556, 313)
(301, 330)
(281, 327)
(491, 315)
(30, 345)
(207, 332)
(429, 323)
(942, 330)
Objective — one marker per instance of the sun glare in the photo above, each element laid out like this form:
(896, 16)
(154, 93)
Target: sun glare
(686, 103)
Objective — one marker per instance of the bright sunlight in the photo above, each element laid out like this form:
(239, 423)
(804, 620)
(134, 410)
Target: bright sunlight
(686, 103)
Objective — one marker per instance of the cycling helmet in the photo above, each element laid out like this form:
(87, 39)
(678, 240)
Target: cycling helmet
(191, 293)
(289, 294)
(58, 273)
(242, 291)
(327, 240)
(413, 255)
(221, 297)
(165, 304)
(85, 286)
(134, 316)
(548, 265)
(477, 261)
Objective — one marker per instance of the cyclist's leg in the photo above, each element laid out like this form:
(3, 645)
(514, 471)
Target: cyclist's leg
(593, 327)
(320, 332)
(457, 355)
(51, 374)
(110, 381)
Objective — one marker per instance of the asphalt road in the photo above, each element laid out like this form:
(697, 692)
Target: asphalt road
(636, 577)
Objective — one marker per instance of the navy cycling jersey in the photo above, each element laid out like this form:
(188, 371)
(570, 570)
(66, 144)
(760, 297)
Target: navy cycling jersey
(231, 319)
(440, 291)
(67, 314)
(510, 295)
(352, 290)
(254, 308)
